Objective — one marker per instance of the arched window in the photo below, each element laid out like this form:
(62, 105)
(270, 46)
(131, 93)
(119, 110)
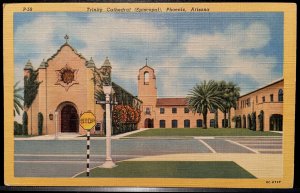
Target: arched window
(261, 120)
(146, 78)
(162, 124)
(212, 123)
(148, 112)
(199, 122)
(280, 95)
(224, 123)
(186, 123)
(174, 123)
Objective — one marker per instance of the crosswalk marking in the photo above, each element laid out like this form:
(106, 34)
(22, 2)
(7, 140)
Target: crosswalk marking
(208, 146)
(260, 145)
(243, 146)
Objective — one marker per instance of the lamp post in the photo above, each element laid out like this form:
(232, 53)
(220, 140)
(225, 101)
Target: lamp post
(56, 113)
(108, 161)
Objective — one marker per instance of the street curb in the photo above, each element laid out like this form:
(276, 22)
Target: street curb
(76, 137)
(129, 133)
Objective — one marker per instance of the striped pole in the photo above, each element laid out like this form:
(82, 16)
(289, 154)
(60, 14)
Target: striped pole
(88, 153)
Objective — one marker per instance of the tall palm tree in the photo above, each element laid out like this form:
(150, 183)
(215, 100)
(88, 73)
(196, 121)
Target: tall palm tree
(222, 85)
(232, 94)
(204, 97)
(17, 99)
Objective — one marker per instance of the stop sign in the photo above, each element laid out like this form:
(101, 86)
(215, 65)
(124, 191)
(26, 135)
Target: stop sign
(87, 120)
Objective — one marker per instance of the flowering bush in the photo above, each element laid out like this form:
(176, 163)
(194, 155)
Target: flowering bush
(130, 114)
(137, 115)
(119, 114)
(125, 114)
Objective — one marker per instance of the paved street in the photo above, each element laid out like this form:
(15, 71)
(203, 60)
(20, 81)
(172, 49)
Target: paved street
(66, 158)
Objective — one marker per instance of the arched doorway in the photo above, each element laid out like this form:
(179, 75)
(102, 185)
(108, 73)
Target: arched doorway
(249, 121)
(276, 122)
(238, 122)
(261, 120)
(69, 119)
(148, 123)
(253, 121)
(244, 121)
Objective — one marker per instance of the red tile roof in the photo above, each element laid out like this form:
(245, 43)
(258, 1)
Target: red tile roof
(171, 102)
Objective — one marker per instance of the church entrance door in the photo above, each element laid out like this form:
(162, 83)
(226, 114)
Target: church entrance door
(69, 119)
(148, 123)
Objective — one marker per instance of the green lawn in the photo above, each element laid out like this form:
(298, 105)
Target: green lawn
(202, 132)
(172, 169)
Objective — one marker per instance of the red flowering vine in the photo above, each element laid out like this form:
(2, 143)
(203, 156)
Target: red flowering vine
(125, 114)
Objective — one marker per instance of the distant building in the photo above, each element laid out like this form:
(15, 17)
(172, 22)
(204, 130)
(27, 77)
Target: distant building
(168, 112)
(262, 107)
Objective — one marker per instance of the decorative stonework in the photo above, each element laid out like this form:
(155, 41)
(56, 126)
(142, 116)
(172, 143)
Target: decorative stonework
(67, 77)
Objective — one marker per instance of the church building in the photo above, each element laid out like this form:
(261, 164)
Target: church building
(68, 83)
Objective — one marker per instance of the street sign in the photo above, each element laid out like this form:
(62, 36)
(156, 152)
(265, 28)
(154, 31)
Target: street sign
(87, 120)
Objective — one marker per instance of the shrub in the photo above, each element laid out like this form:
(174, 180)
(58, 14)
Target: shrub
(17, 128)
(40, 123)
(25, 123)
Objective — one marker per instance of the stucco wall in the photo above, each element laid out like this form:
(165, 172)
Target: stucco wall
(269, 108)
(52, 97)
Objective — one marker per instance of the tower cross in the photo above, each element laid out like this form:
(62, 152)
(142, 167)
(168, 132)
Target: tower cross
(146, 61)
(66, 37)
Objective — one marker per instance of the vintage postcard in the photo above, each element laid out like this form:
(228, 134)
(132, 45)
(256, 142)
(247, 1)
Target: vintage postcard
(150, 94)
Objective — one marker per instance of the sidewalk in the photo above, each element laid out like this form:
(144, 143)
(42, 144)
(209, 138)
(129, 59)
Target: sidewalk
(75, 136)
(128, 133)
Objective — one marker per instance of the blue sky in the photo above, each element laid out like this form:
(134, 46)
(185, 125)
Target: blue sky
(183, 48)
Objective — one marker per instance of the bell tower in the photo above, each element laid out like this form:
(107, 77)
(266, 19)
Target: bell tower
(147, 92)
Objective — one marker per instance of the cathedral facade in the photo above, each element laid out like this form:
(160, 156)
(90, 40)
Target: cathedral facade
(67, 89)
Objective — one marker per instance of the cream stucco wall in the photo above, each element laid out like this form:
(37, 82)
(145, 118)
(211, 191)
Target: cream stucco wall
(52, 97)
(148, 94)
(269, 107)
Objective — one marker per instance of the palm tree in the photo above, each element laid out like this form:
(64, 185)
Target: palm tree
(204, 97)
(17, 99)
(222, 87)
(232, 93)
(216, 118)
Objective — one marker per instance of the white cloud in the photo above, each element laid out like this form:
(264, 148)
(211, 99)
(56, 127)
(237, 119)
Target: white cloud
(36, 40)
(97, 35)
(175, 80)
(227, 48)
